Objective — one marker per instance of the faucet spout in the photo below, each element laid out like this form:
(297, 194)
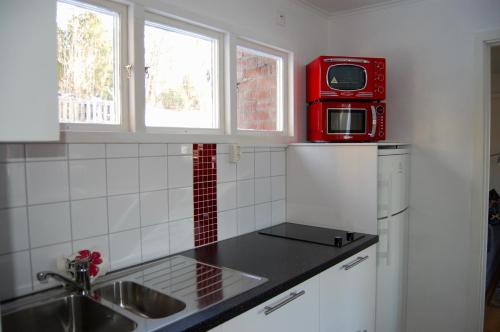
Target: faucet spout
(82, 277)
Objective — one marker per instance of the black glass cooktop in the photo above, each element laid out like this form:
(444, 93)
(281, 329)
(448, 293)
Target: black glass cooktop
(319, 235)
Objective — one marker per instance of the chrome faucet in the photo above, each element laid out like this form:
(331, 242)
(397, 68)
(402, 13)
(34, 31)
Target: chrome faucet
(82, 277)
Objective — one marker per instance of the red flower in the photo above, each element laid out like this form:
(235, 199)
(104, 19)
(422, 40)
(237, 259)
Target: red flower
(93, 270)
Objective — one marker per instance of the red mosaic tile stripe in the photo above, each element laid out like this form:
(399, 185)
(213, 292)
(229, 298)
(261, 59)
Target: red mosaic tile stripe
(205, 193)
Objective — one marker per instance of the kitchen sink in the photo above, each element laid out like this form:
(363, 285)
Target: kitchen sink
(75, 313)
(140, 300)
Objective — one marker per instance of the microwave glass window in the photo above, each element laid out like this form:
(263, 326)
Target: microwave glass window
(346, 121)
(346, 77)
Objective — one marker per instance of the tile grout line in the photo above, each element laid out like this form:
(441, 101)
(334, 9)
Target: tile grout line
(70, 204)
(140, 201)
(28, 219)
(108, 235)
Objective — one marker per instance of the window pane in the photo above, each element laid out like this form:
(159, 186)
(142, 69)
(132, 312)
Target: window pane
(180, 75)
(257, 90)
(87, 64)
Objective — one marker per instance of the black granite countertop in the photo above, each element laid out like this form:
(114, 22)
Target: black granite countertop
(286, 263)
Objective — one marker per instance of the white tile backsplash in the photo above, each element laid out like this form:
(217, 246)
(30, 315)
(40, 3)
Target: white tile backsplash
(47, 182)
(123, 176)
(180, 149)
(122, 150)
(246, 219)
(87, 178)
(123, 212)
(13, 230)
(278, 161)
(246, 193)
(226, 170)
(262, 190)
(154, 207)
(155, 241)
(152, 150)
(16, 274)
(89, 218)
(125, 248)
(227, 225)
(133, 202)
(153, 173)
(87, 151)
(180, 171)
(262, 164)
(180, 203)
(49, 224)
(226, 196)
(263, 215)
(13, 185)
(181, 235)
(245, 168)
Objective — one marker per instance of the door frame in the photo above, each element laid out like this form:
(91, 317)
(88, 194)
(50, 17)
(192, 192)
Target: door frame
(484, 41)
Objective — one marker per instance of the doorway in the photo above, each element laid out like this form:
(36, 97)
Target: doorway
(492, 274)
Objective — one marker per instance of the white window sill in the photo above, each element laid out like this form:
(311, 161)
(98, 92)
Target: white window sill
(128, 137)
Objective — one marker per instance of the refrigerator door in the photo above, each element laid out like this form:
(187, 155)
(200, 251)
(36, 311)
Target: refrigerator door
(392, 273)
(393, 180)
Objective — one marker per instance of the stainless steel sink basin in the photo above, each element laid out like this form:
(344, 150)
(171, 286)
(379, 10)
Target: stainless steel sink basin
(140, 300)
(73, 313)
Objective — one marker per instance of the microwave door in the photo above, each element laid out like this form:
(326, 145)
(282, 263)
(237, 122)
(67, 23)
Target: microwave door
(346, 121)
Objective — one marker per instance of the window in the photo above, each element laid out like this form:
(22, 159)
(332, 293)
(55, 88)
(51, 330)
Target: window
(89, 58)
(182, 74)
(260, 81)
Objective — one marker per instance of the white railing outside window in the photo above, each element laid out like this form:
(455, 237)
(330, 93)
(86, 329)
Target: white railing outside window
(76, 110)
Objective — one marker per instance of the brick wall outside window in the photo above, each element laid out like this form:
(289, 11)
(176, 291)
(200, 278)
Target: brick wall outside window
(257, 91)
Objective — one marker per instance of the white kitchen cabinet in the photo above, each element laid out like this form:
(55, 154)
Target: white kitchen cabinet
(347, 294)
(28, 63)
(340, 299)
(295, 310)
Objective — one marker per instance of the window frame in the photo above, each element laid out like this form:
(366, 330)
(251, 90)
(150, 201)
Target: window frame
(172, 24)
(283, 88)
(120, 72)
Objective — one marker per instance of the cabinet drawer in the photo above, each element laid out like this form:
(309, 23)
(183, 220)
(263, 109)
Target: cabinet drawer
(293, 310)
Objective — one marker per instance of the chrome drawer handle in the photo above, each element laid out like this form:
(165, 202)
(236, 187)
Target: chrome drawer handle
(353, 264)
(290, 298)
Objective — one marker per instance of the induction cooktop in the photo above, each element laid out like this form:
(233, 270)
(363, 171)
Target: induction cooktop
(319, 235)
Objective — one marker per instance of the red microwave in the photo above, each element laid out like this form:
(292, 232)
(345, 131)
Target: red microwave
(346, 121)
(345, 78)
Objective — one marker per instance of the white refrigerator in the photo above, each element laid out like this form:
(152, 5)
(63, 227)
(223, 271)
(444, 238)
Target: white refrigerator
(392, 249)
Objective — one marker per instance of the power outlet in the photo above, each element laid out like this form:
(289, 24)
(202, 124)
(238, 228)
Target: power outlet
(280, 18)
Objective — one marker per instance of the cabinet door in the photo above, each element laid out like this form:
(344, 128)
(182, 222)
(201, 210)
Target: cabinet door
(347, 294)
(28, 82)
(295, 310)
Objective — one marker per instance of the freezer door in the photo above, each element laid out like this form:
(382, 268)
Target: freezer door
(393, 180)
(392, 277)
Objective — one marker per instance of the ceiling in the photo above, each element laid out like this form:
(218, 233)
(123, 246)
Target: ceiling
(495, 60)
(332, 7)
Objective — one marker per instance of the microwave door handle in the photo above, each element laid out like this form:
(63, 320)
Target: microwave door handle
(374, 122)
(348, 60)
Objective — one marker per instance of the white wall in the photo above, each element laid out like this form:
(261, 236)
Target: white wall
(430, 48)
